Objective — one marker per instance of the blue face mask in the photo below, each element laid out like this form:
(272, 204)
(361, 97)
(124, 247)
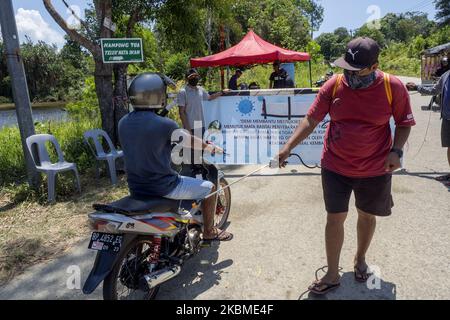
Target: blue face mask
(359, 82)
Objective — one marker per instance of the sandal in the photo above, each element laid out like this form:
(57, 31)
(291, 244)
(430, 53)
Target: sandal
(361, 275)
(222, 236)
(321, 288)
(443, 178)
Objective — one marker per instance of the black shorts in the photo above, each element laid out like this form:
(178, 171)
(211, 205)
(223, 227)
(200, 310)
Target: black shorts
(445, 133)
(372, 195)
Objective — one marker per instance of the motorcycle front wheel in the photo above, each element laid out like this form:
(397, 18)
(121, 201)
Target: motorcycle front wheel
(125, 280)
(223, 205)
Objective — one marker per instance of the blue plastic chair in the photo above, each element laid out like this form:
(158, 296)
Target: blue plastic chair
(43, 163)
(100, 154)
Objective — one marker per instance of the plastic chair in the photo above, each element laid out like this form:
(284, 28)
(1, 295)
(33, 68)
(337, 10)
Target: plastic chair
(100, 153)
(43, 163)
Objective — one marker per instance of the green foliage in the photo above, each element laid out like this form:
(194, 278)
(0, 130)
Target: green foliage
(176, 65)
(330, 46)
(368, 31)
(314, 50)
(51, 75)
(394, 59)
(69, 135)
(282, 22)
(5, 100)
(87, 107)
(443, 12)
(440, 36)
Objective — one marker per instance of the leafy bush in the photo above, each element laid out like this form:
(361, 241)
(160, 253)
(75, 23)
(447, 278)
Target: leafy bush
(4, 100)
(87, 107)
(400, 59)
(176, 65)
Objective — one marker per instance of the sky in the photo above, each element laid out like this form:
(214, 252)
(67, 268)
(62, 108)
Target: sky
(352, 14)
(34, 21)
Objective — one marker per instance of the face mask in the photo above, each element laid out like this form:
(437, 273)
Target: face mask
(359, 82)
(193, 81)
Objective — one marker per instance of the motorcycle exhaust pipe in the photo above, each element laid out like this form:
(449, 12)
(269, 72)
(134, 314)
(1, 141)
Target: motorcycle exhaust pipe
(160, 276)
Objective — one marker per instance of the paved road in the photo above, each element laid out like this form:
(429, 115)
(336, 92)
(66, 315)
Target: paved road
(278, 222)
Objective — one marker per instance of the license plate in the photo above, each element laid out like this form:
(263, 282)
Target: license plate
(105, 242)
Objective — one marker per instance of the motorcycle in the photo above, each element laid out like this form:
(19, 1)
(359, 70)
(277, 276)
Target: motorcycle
(142, 243)
(319, 83)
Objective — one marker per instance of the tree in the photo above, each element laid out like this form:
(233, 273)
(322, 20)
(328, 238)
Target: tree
(330, 46)
(375, 34)
(404, 27)
(110, 97)
(343, 35)
(443, 12)
(313, 10)
(5, 85)
(282, 22)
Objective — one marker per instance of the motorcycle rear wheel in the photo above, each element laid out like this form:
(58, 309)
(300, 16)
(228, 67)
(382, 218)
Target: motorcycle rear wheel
(127, 271)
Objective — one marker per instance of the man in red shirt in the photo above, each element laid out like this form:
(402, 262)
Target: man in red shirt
(359, 153)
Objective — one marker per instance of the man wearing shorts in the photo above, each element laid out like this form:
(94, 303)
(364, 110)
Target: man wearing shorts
(359, 153)
(145, 137)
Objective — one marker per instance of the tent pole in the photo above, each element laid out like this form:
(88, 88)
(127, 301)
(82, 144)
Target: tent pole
(310, 74)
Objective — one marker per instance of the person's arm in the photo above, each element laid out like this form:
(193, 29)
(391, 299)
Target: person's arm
(404, 120)
(400, 137)
(304, 128)
(183, 117)
(214, 95)
(427, 90)
(190, 141)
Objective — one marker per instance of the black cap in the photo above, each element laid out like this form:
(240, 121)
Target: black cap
(192, 72)
(361, 53)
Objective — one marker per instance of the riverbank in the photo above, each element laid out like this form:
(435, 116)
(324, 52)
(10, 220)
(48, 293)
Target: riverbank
(36, 105)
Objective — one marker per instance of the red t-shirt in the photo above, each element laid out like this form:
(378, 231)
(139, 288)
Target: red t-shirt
(358, 138)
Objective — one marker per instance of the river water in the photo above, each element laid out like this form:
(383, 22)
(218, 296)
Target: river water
(9, 118)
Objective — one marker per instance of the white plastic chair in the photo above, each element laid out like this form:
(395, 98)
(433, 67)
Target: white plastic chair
(43, 163)
(100, 153)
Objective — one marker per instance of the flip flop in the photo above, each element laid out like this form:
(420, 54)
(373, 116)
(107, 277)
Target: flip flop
(327, 287)
(222, 236)
(443, 178)
(363, 274)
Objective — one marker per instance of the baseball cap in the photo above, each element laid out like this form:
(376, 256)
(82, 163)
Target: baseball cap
(361, 53)
(192, 72)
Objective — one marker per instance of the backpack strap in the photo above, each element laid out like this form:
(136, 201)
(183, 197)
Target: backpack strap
(387, 87)
(337, 84)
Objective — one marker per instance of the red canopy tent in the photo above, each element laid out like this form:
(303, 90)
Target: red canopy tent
(251, 50)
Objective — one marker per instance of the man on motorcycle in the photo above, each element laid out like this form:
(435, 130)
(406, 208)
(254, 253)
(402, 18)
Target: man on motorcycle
(146, 140)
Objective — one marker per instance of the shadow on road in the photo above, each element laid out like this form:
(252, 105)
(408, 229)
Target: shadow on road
(352, 290)
(198, 275)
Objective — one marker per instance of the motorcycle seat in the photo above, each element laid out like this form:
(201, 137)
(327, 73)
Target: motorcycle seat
(131, 206)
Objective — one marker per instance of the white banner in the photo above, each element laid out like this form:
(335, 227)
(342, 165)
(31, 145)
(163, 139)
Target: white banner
(252, 126)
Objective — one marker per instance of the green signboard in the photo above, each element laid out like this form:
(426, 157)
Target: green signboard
(122, 50)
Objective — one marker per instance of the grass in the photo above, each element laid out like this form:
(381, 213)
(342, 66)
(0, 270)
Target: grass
(32, 232)
(69, 135)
